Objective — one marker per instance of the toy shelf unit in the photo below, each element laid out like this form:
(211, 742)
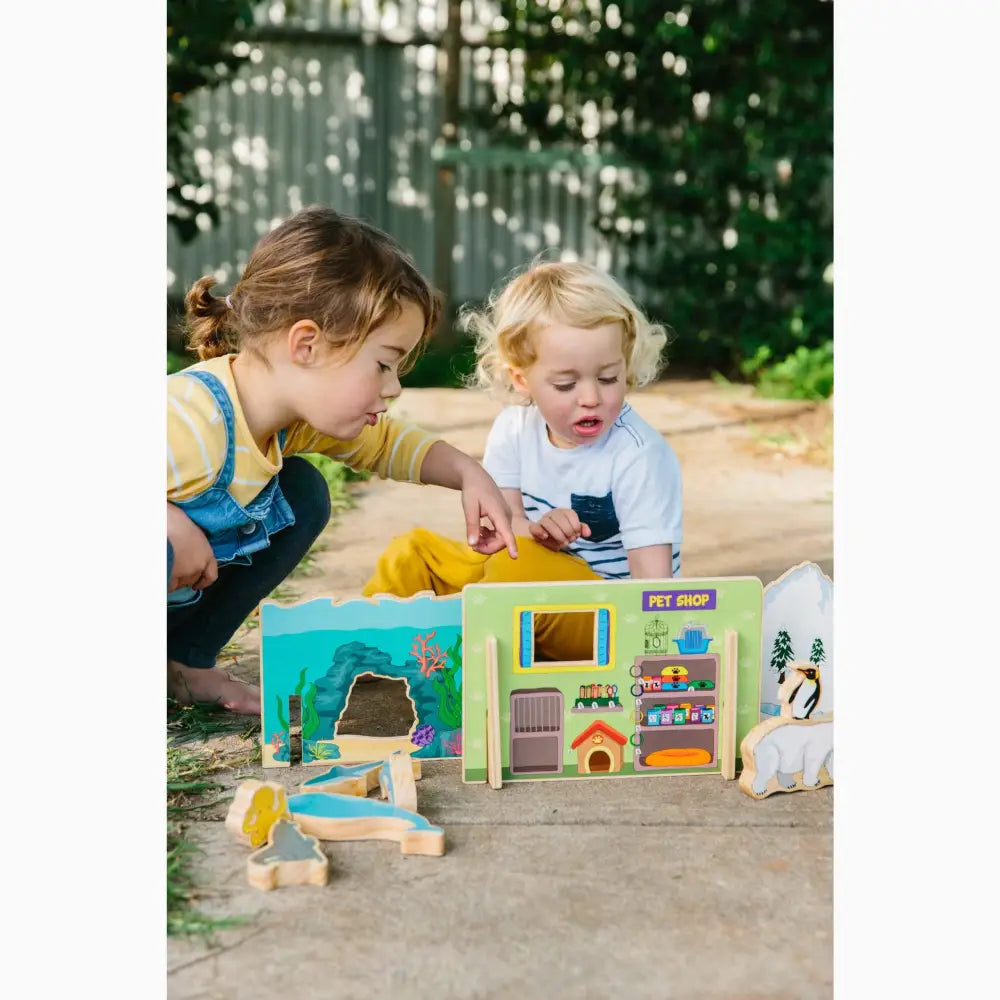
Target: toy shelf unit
(676, 711)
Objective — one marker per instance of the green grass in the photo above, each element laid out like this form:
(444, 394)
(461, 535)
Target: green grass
(188, 783)
(204, 721)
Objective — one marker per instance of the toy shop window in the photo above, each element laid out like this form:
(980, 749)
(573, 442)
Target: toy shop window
(579, 637)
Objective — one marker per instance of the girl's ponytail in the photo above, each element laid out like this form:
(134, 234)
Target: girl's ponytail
(209, 334)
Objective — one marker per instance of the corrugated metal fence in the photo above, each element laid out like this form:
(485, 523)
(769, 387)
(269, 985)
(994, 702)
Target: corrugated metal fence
(341, 104)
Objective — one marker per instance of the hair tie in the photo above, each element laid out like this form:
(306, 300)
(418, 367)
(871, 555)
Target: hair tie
(229, 302)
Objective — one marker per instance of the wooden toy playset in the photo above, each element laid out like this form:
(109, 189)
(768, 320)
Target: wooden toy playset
(671, 685)
(333, 806)
(676, 675)
(316, 650)
(791, 750)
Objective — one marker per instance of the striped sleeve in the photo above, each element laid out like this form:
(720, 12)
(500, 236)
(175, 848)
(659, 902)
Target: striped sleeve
(196, 438)
(390, 449)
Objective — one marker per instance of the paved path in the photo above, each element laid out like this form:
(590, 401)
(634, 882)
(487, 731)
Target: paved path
(634, 888)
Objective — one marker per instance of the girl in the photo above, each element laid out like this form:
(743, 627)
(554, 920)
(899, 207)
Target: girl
(594, 490)
(301, 356)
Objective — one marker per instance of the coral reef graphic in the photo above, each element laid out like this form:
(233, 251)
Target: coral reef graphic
(447, 683)
(279, 738)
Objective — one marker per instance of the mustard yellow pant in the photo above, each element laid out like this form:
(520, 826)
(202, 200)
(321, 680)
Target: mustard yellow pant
(423, 560)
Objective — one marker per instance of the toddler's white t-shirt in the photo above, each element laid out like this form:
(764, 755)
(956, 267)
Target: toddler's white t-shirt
(626, 486)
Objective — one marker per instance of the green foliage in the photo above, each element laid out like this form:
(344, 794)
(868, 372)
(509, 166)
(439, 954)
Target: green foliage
(725, 109)
(445, 363)
(178, 362)
(200, 37)
(807, 373)
(337, 476)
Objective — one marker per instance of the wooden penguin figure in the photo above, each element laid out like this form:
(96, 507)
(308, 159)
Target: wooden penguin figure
(804, 682)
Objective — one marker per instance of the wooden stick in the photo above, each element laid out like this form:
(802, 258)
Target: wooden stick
(493, 768)
(727, 750)
(396, 782)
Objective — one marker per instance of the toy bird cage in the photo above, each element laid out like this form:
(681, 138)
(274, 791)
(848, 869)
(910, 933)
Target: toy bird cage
(655, 633)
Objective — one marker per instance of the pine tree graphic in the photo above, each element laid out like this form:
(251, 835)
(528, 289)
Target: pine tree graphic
(816, 654)
(781, 654)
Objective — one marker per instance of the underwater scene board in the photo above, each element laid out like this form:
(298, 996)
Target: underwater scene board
(636, 686)
(316, 650)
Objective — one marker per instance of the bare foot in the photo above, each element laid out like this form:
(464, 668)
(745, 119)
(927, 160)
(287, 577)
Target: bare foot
(191, 684)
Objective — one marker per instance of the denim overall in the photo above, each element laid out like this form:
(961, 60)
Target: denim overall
(233, 531)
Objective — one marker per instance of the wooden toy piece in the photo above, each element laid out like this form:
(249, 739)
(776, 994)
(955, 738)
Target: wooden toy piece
(727, 754)
(493, 772)
(289, 858)
(346, 817)
(789, 754)
(527, 705)
(396, 782)
(797, 625)
(315, 651)
(354, 779)
(256, 807)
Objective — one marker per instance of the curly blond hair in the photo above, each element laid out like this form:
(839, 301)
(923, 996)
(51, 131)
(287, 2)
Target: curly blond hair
(548, 292)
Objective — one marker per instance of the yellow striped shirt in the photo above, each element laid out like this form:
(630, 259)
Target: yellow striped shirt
(196, 442)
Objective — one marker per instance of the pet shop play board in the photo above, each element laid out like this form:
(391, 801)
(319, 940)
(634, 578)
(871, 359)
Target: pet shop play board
(671, 685)
(316, 651)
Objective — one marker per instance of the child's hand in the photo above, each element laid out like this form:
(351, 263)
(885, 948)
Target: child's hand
(558, 528)
(482, 499)
(194, 562)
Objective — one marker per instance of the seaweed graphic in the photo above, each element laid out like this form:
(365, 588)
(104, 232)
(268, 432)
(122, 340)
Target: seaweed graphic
(310, 717)
(445, 683)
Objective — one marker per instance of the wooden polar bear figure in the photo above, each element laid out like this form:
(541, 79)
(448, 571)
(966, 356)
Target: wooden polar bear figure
(792, 752)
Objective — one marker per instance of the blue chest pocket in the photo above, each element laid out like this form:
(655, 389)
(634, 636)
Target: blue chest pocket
(598, 513)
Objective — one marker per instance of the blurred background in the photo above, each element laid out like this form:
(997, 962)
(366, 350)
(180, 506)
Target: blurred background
(686, 148)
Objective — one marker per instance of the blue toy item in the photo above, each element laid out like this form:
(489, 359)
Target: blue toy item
(676, 686)
(693, 640)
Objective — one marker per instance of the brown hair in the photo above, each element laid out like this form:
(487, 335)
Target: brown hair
(342, 273)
